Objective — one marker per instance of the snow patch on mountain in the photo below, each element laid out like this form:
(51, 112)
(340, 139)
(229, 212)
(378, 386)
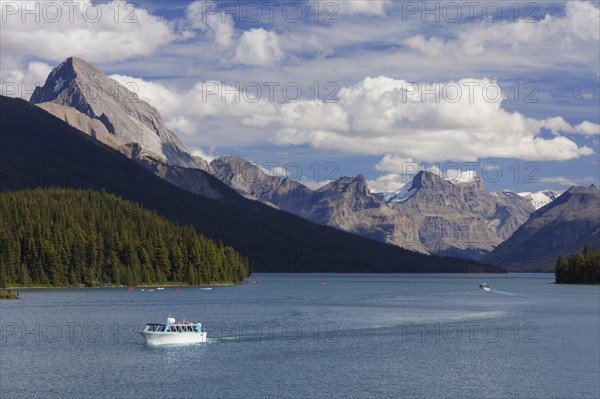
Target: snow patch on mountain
(541, 198)
(401, 195)
(537, 199)
(58, 85)
(460, 177)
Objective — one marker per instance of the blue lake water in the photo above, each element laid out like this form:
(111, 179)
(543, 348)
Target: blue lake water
(311, 336)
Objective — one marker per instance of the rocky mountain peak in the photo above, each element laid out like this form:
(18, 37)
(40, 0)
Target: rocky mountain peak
(127, 118)
(426, 180)
(73, 73)
(433, 181)
(353, 185)
(578, 198)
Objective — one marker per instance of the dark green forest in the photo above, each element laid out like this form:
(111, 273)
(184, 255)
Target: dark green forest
(65, 237)
(579, 268)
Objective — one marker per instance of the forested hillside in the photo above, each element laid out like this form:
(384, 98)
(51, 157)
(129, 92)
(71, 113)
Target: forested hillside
(65, 237)
(579, 268)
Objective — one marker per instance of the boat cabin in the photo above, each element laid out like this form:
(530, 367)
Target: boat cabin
(173, 326)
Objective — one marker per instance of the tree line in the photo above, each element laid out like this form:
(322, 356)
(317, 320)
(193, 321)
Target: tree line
(579, 268)
(63, 237)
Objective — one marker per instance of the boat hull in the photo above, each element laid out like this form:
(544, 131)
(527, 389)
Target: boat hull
(175, 338)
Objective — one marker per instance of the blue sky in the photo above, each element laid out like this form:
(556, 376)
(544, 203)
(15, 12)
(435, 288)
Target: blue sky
(502, 87)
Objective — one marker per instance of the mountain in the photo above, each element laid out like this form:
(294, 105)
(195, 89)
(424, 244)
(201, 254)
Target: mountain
(461, 218)
(562, 226)
(126, 118)
(346, 203)
(252, 182)
(429, 215)
(85, 98)
(40, 150)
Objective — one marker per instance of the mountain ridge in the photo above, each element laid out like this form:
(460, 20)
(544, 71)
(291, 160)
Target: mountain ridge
(39, 150)
(561, 227)
(467, 221)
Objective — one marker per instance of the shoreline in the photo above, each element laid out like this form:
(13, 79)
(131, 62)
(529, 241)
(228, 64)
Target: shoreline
(124, 286)
(8, 295)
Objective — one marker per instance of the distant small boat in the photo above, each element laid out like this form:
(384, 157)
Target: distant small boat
(143, 289)
(174, 332)
(485, 287)
(160, 288)
(150, 290)
(130, 289)
(206, 288)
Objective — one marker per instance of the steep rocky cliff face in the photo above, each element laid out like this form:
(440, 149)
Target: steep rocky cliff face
(251, 181)
(462, 219)
(127, 118)
(82, 96)
(348, 204)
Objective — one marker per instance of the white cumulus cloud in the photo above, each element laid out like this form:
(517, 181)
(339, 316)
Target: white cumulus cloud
(96, 32)
(553, 38)
(363, 7)
(258, 47)
(459, 121)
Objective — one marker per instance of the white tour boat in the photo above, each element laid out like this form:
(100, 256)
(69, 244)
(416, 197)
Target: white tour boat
(485, 287)
(174, 332)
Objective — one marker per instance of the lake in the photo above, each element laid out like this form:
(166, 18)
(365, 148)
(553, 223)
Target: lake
(317, 336)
